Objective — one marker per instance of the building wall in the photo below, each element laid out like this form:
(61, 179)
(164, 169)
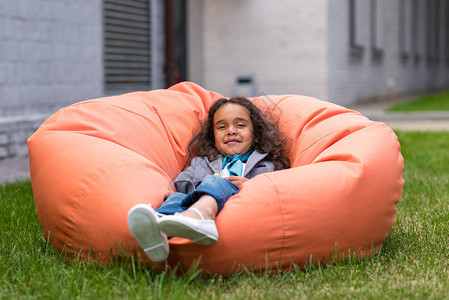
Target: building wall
(282, 46)
(353, 79)
(195, 45)
(418, 74)
(50, 56)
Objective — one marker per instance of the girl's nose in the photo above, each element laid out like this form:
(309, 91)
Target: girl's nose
(231, 131)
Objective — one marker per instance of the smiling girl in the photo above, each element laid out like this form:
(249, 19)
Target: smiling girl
(236, 143)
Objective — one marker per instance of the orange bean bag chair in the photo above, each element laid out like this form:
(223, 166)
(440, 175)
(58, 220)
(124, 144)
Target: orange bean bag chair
(92, 161)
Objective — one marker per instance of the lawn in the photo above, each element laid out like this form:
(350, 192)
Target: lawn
(430, 102)
(413, 263)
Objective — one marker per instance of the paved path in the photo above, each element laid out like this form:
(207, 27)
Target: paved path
(18, 168)
(422, 121)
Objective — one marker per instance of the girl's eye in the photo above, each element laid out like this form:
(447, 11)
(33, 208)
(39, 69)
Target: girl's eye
(241, 125)
(221, 127)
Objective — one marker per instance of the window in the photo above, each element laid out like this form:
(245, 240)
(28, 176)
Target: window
(436, 30)
(446, 30)
(376, 29)
(415, 29)
(432, 31)
(127, 55)
(405, 29)
(356, 48)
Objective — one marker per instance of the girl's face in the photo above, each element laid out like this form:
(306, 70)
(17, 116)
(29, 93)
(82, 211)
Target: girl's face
(233, 129)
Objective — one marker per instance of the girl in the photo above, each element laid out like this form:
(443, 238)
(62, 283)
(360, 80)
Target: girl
(236, 142)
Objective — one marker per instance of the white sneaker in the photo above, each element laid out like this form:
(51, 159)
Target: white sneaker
(143, 224)
(203, 232)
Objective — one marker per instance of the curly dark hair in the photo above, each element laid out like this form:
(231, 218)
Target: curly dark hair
(267, 136)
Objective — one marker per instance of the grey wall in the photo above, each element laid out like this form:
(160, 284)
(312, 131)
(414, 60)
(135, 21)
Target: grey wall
(281, 44)
(419, 75)
(353, 79)
(50, 57)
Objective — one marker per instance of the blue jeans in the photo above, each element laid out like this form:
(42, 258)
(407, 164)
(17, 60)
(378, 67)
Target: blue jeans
(219, 188)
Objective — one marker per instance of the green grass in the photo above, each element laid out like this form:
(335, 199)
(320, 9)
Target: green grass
(413, 264)
(432, 102)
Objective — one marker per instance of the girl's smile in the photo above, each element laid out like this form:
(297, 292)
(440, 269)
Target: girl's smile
(233, 130)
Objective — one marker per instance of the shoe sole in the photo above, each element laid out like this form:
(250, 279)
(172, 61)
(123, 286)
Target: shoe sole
(142, 222)
(178, 228)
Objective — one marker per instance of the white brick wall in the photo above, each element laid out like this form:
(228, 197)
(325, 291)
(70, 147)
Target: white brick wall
(50, 54)
(14, 132)
(352, 79)
(50, 57)
(282, 44)
(349, 77)
(302, 47)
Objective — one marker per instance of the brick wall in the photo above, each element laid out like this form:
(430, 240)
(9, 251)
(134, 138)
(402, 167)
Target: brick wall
(302, 47)
(281, 44)
(354, 79)
(13, 135)
(50, 57)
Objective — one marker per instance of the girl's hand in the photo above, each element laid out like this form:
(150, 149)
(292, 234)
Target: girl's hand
(237, 180)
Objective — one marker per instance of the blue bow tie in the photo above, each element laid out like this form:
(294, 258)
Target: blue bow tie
(235, 162)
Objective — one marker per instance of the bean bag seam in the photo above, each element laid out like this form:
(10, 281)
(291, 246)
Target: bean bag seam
(156, 112)
(373, 123)
(322, 138)
(282, 216)
(104, 139)
(169, 136)
(279, 102)
(129, 111)
(132, 112)
(121, 108)
(107, 104)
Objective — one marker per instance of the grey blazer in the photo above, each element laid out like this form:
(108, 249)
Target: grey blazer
(200, 167)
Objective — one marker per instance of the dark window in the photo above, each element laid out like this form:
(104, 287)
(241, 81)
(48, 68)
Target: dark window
(429, 30)
(446, 30)
(405, 32)
(415, 27)
(376, 29)
(127, 55)
(436, 30)
(433, 30)
(356, 48)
